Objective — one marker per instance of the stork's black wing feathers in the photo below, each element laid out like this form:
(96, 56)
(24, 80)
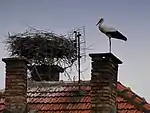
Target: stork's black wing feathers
(117, 35)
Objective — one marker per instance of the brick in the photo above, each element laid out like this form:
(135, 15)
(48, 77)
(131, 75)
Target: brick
(16, 85)
(103, 82)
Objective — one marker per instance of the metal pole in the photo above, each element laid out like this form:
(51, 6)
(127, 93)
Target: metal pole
(75, 32)
(110, 44)
(78, 38)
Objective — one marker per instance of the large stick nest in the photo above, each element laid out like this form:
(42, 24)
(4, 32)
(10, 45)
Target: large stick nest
(42, 47)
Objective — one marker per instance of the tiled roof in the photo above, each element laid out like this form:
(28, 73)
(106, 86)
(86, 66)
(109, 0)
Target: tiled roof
(60, 97)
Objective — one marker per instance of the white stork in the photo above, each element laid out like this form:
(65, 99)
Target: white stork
(110, 32)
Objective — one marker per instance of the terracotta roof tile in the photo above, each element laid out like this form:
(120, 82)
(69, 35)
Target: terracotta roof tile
(65, 98)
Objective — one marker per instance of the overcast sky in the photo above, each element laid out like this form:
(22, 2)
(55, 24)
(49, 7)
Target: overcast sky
(131, 17)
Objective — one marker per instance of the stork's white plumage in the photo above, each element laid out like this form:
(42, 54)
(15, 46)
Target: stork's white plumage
(110, 32)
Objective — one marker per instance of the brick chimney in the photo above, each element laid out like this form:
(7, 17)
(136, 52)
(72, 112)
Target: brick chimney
(103, 82)
(16, 85)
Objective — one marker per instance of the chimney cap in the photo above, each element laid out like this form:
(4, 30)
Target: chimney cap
(6, 60)
(106, 55)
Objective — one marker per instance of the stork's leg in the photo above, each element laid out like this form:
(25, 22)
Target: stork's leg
(110, 44)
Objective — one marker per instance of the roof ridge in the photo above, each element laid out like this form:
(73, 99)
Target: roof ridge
(133, 98)
(56, 83)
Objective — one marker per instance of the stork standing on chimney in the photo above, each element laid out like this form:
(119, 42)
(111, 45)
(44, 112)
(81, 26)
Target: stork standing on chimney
(110, 32)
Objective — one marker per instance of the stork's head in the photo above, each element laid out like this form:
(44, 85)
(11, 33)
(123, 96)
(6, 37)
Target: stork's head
(100, 21)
